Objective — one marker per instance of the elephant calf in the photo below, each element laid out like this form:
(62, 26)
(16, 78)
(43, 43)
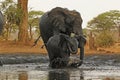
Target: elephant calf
(59, 48)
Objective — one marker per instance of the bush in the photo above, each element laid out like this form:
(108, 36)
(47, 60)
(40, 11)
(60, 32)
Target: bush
(104, 40)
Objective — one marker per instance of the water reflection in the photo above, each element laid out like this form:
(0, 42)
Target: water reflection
(58, 75)
(66, 75)
(13, 75)
(61, 74)
(23, 76)
(76, 75)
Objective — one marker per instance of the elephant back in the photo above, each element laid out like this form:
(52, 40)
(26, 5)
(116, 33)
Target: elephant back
(45, 27)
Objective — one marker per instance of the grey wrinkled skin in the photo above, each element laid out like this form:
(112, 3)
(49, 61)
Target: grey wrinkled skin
(59, 48)
(62, 20)
(1, 22)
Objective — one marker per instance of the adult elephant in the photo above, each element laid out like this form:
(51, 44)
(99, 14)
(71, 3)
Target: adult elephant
(59, 48)
(1, 22)
(62, 20)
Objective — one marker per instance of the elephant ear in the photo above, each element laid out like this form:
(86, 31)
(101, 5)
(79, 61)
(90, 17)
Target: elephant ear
(69, 19)
(56, 18)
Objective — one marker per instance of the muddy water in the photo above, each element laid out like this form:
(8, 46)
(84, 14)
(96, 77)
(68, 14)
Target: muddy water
(35, 67)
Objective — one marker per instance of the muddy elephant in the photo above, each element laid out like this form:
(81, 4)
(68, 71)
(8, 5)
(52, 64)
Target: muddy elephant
(59, 48)
(1, 22)
(62, 20)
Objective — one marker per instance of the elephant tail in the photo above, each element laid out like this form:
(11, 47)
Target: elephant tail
(36, 41)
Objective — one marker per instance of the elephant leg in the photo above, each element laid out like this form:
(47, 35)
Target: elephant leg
(51, 59)
(60, 62)
(80, 62)
(1, 64)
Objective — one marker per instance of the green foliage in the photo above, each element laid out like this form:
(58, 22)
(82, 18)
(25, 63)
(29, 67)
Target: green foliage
(33, 21)
(9, 9)
(105, 21)
(104, 25)
(33, 17)
(85, 31)
(104, 40)
(13, 17)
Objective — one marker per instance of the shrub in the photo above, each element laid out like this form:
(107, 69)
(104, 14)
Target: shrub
(104, 40)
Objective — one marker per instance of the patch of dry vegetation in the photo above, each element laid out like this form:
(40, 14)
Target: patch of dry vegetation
(7, 47)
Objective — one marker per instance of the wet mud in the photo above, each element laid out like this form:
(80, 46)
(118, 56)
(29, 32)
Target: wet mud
(35, 67)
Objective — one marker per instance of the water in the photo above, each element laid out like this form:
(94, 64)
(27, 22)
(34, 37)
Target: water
(95, 67)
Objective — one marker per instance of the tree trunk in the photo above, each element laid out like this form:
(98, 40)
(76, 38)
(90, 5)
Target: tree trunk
(31, 35)
(91, 42)
(23, 26)
(7, 34)
(119, 33)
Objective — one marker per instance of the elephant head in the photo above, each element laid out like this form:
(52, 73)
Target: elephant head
(59, 48)
(71, 43)
(1, 22)
(66, 21)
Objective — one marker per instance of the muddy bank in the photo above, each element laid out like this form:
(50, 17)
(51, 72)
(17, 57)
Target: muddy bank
(93, 59)
(23, 58)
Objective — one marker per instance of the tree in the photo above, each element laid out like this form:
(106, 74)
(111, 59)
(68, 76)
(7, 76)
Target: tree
(33, 21)
(104, 40)
(105, 23)
(116, 19)
(9, 9)
(23, 26)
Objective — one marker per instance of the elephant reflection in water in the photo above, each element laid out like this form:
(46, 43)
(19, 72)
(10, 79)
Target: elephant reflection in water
(65, 75)
(58, 75)
(62, 21)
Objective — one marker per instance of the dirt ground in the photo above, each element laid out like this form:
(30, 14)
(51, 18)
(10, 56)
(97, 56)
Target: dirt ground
(15, 47)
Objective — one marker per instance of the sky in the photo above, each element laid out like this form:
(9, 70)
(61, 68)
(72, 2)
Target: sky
(87, 8)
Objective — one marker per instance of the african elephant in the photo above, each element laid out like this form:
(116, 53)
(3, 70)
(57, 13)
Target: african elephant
(62, 20)
(1, 22)
(59, 48)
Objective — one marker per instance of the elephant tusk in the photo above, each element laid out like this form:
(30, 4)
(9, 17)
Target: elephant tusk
(71, 49)
(72, 35)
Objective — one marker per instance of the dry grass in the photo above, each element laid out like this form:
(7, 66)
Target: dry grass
(7, 47)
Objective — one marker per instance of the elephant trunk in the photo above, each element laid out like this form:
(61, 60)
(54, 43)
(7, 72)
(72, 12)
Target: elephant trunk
(82, 42)
(73, 45)
(72, 50)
